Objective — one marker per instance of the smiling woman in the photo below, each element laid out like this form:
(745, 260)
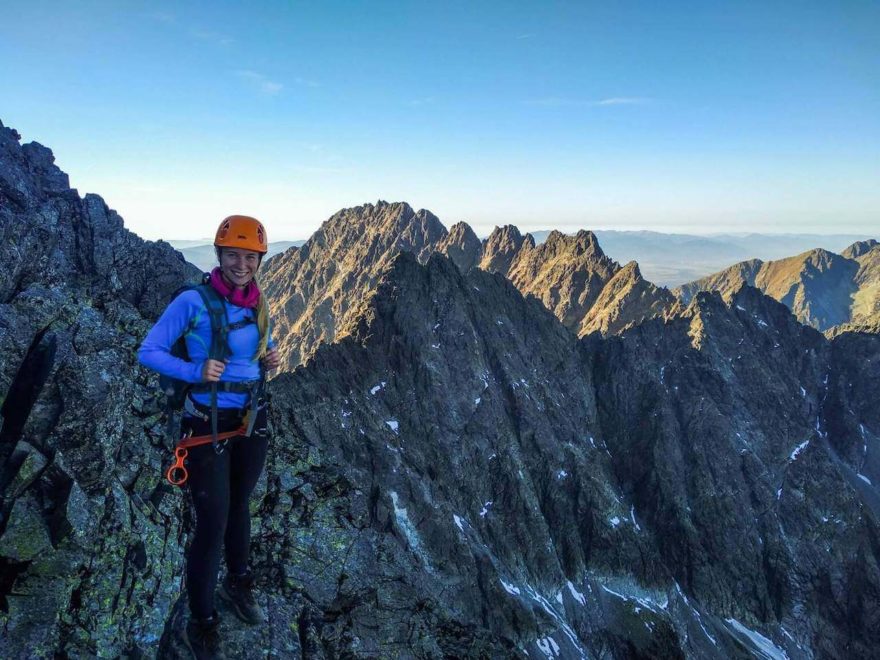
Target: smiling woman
(224, 402)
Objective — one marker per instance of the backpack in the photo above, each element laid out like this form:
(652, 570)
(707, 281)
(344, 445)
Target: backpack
(177, 390)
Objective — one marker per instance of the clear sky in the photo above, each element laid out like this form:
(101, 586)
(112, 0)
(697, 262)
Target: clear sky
(683, 116)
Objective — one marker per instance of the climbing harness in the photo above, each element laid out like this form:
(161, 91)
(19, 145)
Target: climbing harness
(177, 474)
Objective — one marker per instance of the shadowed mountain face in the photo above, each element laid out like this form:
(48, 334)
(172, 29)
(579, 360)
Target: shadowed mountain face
(678, 491)
(458, 476)
(821, 288)
(90, 548)
(318, 289)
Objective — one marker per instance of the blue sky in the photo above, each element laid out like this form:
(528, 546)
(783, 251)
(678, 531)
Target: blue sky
(698, 117)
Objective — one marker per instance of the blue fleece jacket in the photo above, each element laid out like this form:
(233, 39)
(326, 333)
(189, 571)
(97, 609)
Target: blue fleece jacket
(188, 314)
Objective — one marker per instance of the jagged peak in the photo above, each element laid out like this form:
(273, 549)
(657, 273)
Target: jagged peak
(381, 216)
(462, 231)
(505, 233)
(631, 269)
(584, 242)
(819, 257)
(859, 248)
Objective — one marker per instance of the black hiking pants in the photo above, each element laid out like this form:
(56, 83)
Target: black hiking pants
(221, 486)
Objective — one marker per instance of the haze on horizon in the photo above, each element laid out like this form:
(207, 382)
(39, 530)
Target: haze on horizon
(698, 119)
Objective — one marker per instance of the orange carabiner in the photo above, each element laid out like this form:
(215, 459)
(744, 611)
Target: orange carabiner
(178, 469)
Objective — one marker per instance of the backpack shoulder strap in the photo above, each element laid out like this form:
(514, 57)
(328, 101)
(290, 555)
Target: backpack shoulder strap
(219, 321)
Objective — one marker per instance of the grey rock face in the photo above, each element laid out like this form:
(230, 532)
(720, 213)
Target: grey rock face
(462, 246)
(89, 544)
(501, 248)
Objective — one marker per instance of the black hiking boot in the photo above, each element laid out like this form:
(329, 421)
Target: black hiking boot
(202, 638)
(237, 590)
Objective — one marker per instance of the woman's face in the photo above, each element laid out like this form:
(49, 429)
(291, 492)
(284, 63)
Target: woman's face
(238, 265)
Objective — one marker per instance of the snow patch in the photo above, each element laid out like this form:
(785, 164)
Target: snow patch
(477, 401)
(392, 424)
(457, 522)
(562, 474)
(764, 646)
(548, 647)
(376, 388)
(577, 595)
(615, 521)
(865, 479)
(798, 450)
(485, 509)
(632, 514)
(510, 588)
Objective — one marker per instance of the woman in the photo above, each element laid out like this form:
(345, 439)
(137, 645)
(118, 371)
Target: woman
(221, 475)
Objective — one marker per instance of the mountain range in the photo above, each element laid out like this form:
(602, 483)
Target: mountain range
(821, 288)
(460, 465)
(319, 289)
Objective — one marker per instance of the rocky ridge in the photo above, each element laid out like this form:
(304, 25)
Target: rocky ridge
(821, 288)
(318, 289)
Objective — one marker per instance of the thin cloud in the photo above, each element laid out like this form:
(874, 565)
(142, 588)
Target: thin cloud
(262, 83)
(526, 35)
(212, 36)
(563, 102)
(425, 100)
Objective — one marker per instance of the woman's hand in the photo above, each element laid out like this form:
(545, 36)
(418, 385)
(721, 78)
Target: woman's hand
(271, 360)
(212, 370)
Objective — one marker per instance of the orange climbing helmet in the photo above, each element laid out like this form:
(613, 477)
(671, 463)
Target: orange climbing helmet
(242, 231)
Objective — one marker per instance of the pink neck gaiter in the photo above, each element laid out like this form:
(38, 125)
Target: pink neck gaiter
(246, 297)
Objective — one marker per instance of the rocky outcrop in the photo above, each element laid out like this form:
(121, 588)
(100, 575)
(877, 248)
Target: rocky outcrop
(865, 306)
(566, 273)
(859, 248)
(626, 300)
(502, 247)
(821, 288)
(462, 246)
(89, 541)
